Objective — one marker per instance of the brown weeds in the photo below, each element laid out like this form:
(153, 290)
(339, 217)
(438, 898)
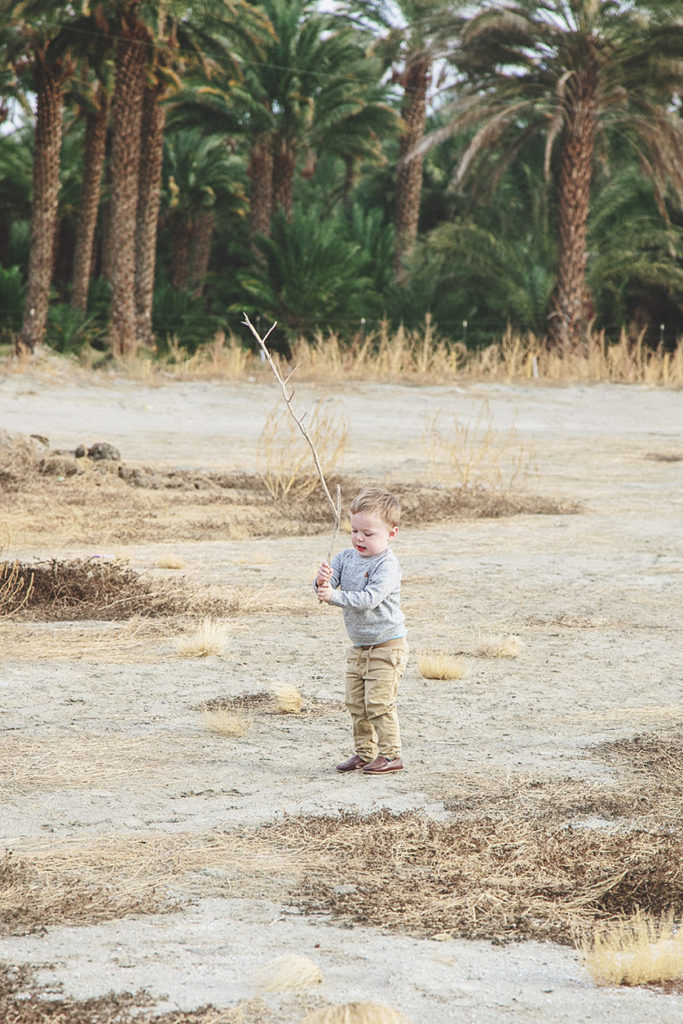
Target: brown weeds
(88, 588)
(24, 1001)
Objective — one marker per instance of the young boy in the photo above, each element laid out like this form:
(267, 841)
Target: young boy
(365, 582)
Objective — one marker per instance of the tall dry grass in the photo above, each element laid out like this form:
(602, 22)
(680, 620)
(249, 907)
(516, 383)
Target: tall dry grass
(422, 355)
(472, 455)
(425, 355)
(287, 469)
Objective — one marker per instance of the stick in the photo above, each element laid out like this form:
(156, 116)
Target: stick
(299, 420)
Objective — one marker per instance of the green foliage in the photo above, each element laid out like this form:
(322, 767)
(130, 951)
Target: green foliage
(312, 275)
(12, 290)
(69, 329)
(636, 262)
(179, 315)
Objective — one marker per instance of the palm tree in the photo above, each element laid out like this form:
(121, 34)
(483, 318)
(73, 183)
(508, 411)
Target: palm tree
(414, 35)
(94, 101)
(316, 91)
(36, 43)
(201, 176)
(573, 70)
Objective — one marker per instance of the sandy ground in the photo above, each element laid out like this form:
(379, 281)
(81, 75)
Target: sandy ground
(596, 597)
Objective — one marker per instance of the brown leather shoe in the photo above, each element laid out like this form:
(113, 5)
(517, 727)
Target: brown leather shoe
(382, 764)
(353, 764)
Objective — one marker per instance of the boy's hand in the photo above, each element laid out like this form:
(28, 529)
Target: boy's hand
(324, 592)
(324, 573)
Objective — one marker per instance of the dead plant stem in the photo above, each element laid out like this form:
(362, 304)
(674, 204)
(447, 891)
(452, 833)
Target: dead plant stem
(300, 422)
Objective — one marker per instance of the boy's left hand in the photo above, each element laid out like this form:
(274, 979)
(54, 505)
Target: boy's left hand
(324, 592)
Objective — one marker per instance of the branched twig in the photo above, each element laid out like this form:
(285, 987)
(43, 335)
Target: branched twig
(300, 422)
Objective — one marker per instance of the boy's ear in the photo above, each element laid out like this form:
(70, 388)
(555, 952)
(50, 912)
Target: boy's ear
(392, 532)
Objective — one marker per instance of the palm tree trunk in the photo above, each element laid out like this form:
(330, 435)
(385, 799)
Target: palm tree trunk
(284, 165)
(571, 301)
(93, 161)
(48, 81)
(131, 57)
(409, 173)
(201, 252)
(182, 235)
(260, 173)
(149, 200)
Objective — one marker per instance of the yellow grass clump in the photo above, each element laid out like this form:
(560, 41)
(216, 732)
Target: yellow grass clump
(440, 665)
(225, 722)
(641, 950)
(170, 561)
(289, 972)
(287, 699)
(356, 1013)
(210, 638)
(500, 647)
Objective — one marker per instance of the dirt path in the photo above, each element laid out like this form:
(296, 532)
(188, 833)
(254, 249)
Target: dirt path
(103, 746)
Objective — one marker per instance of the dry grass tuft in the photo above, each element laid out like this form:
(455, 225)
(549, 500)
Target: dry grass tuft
(499, 647)
(211, 637)
(225, 722)
(287, 699)
(440, 665)
(170, 562)
(642, 950)
(356, 1013)
(219, 359)
(288, 973)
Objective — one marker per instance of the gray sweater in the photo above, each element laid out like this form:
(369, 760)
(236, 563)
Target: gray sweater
(369, 596)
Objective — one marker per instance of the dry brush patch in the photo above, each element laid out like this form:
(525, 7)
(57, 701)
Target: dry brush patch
(522, 864)
(24, 1001)
(88, 879)
(137, 639)
(278, 701)
(32, 899)
(111, 503)
(96, 588)
(482, 879)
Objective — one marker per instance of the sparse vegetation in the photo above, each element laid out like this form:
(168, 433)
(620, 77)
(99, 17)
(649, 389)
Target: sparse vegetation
(288, 470)
(474, 455)
(287, 699)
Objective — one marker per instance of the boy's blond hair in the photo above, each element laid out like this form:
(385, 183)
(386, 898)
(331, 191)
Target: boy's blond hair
(379, 502)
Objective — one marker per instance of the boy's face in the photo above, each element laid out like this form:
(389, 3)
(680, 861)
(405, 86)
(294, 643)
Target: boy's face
(370, 534)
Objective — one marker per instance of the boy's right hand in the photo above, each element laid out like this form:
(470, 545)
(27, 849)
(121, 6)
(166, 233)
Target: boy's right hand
(324, 573)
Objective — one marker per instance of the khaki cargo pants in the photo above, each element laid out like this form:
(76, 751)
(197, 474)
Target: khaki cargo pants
(372, 677)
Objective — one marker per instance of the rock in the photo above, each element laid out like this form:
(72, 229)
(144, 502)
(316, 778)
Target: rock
(58, 465)
(81, 451)
(105, 451)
